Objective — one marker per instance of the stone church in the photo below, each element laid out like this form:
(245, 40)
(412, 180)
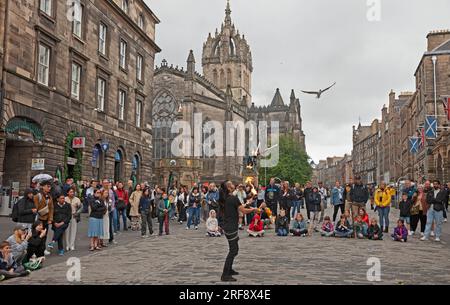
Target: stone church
(223, 92)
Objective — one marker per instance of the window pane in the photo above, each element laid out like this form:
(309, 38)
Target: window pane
(101, 94)
(43, 64)
(76, 73)
(123, 54)
(138, 113)
(77, 17)
(121, 104)
(141, 22)
(46, 7)
(139, 67)
(102, 39)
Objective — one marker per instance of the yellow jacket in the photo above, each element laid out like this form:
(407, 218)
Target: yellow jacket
(382, 198)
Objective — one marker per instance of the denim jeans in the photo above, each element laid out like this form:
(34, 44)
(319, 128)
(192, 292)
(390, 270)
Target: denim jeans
(124, 219)
(190, 213)
(146, 217)
(197, 213)
(115, 220)
(282, 232)
(172, 210)
(438, 218)
(111, 224)
(58, 235)
(295, 208)
(383, 213)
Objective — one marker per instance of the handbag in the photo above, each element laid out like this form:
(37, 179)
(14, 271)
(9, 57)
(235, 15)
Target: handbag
(43, 211)
(120, 205)
(77, 217)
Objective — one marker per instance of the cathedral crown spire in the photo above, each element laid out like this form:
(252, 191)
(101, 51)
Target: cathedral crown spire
(228, 14)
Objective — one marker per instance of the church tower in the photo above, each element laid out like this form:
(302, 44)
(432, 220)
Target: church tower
(227, 60)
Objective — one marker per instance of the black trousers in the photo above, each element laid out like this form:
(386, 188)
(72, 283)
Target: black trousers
(336, 210)
(233, 239)
(308, 208)
(415, 221)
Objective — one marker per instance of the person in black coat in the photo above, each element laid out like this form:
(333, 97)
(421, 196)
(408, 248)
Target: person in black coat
(315, 200)
(62, 215)
(26, 209)
(36, 244)
(306, 194)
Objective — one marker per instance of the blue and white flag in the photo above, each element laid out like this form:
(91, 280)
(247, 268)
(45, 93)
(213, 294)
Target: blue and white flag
(414, 145)
(431, 127)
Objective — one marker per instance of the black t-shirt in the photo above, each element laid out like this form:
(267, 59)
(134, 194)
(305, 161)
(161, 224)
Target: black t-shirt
(231, 215)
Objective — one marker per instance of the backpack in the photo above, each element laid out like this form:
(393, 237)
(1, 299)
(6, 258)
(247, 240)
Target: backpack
(15, 212)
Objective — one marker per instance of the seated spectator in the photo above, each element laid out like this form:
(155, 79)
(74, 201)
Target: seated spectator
(343, 228)
(8, 265)
(400, 232)
(374, 231)
(364, 216)
(212, 225)
(360, 227)
(282, 224)
(36, 244)
(266, 215)
(299, 226)
(255, 228)
(19, 243)
(327, 227)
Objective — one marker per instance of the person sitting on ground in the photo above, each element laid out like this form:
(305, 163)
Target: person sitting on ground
(282, 224)
(212, 225)
(327, 227)
(266, 216)
(343, 228)
(360, 227)
(19, 243)
(255, 228)
(36, 244)
(405, 206)
(364, 216)
(8, 265)
(299, 226)
(400, 232)
(374, 231)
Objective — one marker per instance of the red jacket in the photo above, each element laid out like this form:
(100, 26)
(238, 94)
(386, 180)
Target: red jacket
(122, 194)
(256, 227)
(366, 219)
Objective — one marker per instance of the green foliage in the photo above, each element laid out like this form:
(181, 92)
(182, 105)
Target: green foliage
(292, 166)
(77, 170)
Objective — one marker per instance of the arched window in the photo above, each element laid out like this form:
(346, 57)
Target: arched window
(164, 113)
(98, 162)
(118, 165)
(215, 78)
(222, 80)
(135, 168)
(232, 47)
(229, 80)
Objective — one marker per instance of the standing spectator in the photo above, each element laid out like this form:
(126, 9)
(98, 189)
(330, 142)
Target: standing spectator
(346, 195)
(405, 206)
(337, 200)
(134, 200)
(19, 243)
(163, 214)
(36, 244)
(419, 211)
(67, 186)
(272, 195)
(306, 194)
(182, 203)
(323, 204)
(212, 198)
(383, 206)
(130, 186)
(98, 211)
(121, 206)
(194, 205)
(44, 204)
(359, 196)
(89, 195)
(436, 204)
(447, 190)
(107, 202)
(286, 198)
(372, 196)
(56, 189)
(204, 212)
(409, 189)
(77, 208)
(26, 209)
(61, 219)
(297, 198)
(145, 209)
(315, 200)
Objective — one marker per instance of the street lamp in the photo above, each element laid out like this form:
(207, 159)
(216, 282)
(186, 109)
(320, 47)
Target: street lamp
(434, 59)
(172, 164)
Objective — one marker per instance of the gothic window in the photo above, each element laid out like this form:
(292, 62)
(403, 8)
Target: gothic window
(229, 80)
(164, 114)
(215, 77)
(222, 79)
(232, 47)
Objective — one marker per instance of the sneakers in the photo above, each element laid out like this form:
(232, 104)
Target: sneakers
(187, 228)
(421, 234)
(445, 219)
(196, 227)
(2, 277)
(113, 242)
(437, 239)
(227, 278)
(410, 233)
(424, 238)
(234, 272)
(46, 252)
(144, 236)
(432, 234)
(51, 245)
(61, 252)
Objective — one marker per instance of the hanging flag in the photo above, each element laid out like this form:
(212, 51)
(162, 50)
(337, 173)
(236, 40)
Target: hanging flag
(413, 145)
(447, 107)
(422, 137)
(431, 127)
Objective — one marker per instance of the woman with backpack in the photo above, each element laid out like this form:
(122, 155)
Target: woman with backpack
(24, 211)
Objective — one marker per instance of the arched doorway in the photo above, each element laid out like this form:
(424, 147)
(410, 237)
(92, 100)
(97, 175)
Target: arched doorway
(98, 162)
(73, 158)
(24, 140)
(118, 165)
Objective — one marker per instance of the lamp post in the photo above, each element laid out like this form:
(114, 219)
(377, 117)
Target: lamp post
(172, 164)
(434, 59)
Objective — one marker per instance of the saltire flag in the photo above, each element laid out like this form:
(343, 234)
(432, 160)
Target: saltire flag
(414, 145)
(431, 127)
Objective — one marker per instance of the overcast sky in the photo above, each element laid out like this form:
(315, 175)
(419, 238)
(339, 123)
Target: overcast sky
(309, 44)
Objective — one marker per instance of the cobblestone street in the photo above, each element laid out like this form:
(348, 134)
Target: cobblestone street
(189, 257)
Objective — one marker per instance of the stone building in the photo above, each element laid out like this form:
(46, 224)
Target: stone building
(364, 155)
(390, 148)
(432, 86)
(87, 77)
(223, 92)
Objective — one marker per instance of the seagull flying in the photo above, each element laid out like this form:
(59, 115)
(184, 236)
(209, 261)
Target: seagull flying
(318, 93)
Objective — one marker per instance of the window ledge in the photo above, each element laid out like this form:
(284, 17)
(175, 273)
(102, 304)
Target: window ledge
(103, 56)
(79, 39)
(47, 17)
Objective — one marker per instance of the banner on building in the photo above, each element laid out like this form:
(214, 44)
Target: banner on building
(447, 107)
(431, 127)
(79, 142)
(413, 145)
(37, 164)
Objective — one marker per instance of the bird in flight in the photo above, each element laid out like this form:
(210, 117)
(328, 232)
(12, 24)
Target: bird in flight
(318, 93)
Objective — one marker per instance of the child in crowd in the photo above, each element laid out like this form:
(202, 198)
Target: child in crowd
(343, 228)
(374, 231)
(266, 214)
(282, 224)
(255, 228)
(360, 227)
(299, 227)
(364, 216)
(163, 209)
(405, 211)
(400, 232)
(327, 227)
(212, 225)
